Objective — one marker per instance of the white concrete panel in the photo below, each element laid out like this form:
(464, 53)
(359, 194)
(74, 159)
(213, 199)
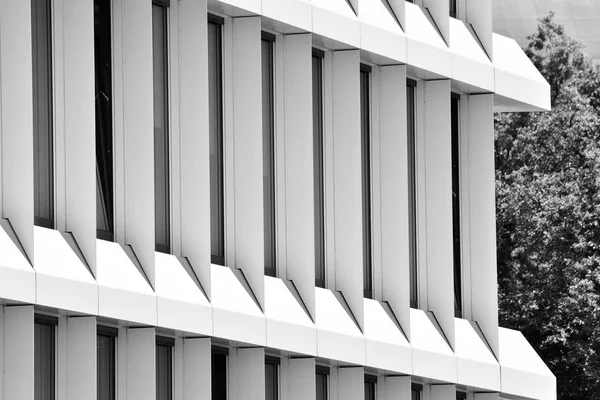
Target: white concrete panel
(297, 13)
(62, 280)
(16, 120)
(482, 216)
(17, 278)
(123, 292)
(486, 396)
(394, 195)
(248, 141)
(78, 142)
(250, 370)
(438, 200)
(234, 308)
(523, 372)
(302, 382)
(181, 305)
(386, 345)
(442, 392)
(470, 64)
(289, 327)
(299, 162)
(347, 180)
(335, 20)
(80, 373)
(338, 337)
(432, 357)
(350, 383)
(399, 9)
(479, 16)
(196, 368)
(380, 32)
(440, 13)
(141, 364)
(517, 79)
(247, 6)
(18, 358)
(138, 128)
(396, 388)
(194, 138)
(426, 49)
(476, 365)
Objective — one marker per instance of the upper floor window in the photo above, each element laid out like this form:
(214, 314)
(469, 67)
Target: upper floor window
(412, 190)
(317, 92)
(370, 387)
(271, 378)
(365, 128)
(322, 373)
(215, 122)
(453, 8)
(456, 242)
(219, 374)
(43, 137)
(268, 123)
(44, 357)
(105, 359)
(104, 123)
(164, 368)
(160, 57)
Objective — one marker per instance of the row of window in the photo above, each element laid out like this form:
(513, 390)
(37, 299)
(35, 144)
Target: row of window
(43, 144)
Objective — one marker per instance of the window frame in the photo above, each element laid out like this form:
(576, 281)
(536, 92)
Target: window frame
(52, 322)
(217, 351)
(412, 170)
(416, 388)
(166, 342)
(370, 381)
(112, 333)
(366, 179)
(455, 122)
(323, 371)
(274, 362)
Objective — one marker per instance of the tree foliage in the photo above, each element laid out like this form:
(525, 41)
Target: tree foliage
(548, 215)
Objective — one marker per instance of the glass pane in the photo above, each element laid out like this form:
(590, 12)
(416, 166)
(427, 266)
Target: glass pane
(106, 367)
(366, 181)
(219, 377)
(43, 164)
(321, 380)
(268, 156)
(453, 9)
(455, 130)
(412, 193)
(44, 360)
(271, 384)
(216, 144)
(161, 136)
(164, 373)
(317, 79)
(369, 390)
(415, 394)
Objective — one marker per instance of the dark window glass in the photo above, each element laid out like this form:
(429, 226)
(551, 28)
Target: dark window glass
(219, 376)
(412, 191)
(271, 378)
(365, 119)
(461, 395)
(370, 387)
(410, 1)
(317, 79)
(416, 392)
(215, 122)
(455, 130)
(321, 381)
(106, 366)
(161, 129)
(268, 120)
(453, 9)
(44, 360)
(164, 369)
(104, 128)
(43, 141)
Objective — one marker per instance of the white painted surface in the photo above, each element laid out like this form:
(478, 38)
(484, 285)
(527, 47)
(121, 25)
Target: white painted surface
(442, 392)
(479, 16)
(195, 354)
(18, 364)
(380, 33)
(62, 280)
(476, 365)
(350, 383)
(18, 278)
(250, 371)
(396, 387)
(302, 382)
(334, 19)
(440, 13)
(140, 372)
(80, 372)
(251, 6)
(297, 13)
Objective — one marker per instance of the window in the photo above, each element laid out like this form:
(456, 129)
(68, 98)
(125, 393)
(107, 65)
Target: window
(412, 190)
(455, 133)
(453, 8)
(219, 373)
(44, 357)
(268, 120)
(271, 378)
(104, 128)
(215, 122)
(43, 137)
(317, 91)
(321, 380)
(370, 387)
(461, 396)
(365, 127)
(164, 368)
(416, 392)
(161, 128)
(106, 362)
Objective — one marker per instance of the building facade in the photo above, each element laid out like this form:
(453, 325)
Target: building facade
(255, 199)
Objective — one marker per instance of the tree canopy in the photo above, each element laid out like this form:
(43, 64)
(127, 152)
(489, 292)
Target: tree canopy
(548, 215)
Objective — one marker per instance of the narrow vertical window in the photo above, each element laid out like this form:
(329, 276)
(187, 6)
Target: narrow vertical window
(104, 127)
(43, 137)
(370, 387)
(44, 357)
(268, 122)
(219, 374)
(412, 191)
(106, 363)
(164, 368)
(271, 378)
(416, 392)
(161, 128)
(215, 122)
(365, 125)
(322, 373)
(461, 396)
(455, 133)
(453, 8)
(317, 93)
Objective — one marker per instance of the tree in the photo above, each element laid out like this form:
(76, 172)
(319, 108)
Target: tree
(548, 215)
